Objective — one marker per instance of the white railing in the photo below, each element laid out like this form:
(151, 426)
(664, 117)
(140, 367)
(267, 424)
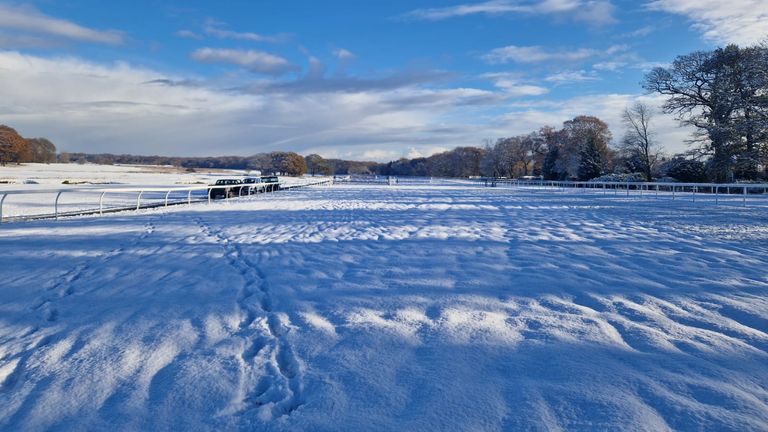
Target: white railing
(717, 193)
(125, 197)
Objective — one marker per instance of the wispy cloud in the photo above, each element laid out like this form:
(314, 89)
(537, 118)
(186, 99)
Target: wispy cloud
(641, 32)
(568, 77)
(538, 54)
(343, 54)
(592, 11)
(512, 86)
(32, 22)
(218, 29)
(535, 54)
(255, 61)
(188, 34)
(315, 81)
(735, 21)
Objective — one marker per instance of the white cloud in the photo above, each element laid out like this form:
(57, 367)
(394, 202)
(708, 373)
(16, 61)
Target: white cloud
(535, 54)
(538, 54)
(343, 54)
(188, 34)
(118, 108)
(609, 66)
(570, 77)
(255, 61)
(641, 32)
(217, 29)
(33, 22)
(736, 21)
(592, 11)
(511, 85)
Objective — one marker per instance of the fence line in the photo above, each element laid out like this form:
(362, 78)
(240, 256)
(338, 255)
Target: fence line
(191, 194)
(716, 191)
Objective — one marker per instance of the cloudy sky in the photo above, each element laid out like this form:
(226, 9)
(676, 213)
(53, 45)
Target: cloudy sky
(374, 79)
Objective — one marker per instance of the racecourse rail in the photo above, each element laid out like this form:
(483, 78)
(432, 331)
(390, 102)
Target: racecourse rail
(745, 194)
(138, 197)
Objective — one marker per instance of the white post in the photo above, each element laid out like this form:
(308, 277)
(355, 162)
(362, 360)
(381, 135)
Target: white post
(101, 203)
(695, 188)
(138, 200)
(56, 206)
(189, 197)
(209, 195)
(745, 197)
(166, 197)
(717, 188)
(2, 200)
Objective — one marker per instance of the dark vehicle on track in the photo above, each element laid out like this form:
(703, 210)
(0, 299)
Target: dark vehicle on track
(226, 188)
(272, 183)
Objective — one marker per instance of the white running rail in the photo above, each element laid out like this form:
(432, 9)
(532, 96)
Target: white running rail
(717, 193)
(145, 197)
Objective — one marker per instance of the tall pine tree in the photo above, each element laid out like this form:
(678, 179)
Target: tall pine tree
(590, 161)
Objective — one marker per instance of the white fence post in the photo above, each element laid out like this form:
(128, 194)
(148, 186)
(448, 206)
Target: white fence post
(745, 197)
(56, 206)
(101, 203)
(2, 200)
(138, 200)
(166, 197)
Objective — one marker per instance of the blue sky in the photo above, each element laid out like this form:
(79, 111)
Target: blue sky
(355, 79)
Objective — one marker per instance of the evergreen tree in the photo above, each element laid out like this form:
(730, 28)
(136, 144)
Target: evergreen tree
(590, 161)
(549, 167)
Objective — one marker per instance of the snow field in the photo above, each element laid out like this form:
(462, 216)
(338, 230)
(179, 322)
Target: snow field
(389, 308)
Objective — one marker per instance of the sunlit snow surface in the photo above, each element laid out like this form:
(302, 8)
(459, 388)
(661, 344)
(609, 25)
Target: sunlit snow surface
(389, 308)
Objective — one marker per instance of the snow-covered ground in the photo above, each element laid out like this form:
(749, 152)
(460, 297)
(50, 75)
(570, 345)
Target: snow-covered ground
(389, 308)
(35, 175)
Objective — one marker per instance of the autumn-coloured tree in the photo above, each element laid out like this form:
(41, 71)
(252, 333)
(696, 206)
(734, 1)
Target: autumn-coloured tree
(288, 163)
(13, 148)
(40, 150)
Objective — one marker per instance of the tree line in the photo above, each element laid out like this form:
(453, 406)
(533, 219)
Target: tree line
(722, 94)
(289, 163)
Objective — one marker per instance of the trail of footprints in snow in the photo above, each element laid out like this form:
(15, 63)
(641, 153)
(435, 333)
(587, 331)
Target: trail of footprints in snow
(271, 381)
(58, 289)
(63, 286)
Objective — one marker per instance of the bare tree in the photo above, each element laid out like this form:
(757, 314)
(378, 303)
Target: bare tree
(638, 142)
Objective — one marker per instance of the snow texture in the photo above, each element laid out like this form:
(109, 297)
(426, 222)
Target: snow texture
(389, 308)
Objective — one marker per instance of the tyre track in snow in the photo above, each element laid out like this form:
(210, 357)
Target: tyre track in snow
(271, 380)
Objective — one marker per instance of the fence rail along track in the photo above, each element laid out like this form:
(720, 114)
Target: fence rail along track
(718, 193)
(94, 200)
